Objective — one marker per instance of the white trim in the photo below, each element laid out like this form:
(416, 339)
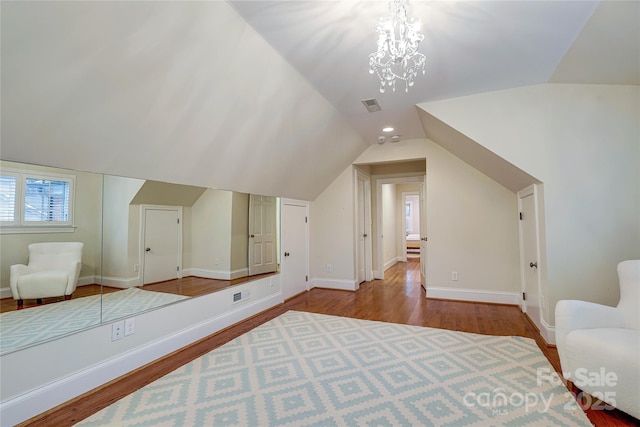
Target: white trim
(82, 281)
(548, 332)
(393, 262)
(41, 399)
(339, 284)
(121, 282)
(216, 274)
(38, 229)
(473, 295)
(368, 248)
(531, 190)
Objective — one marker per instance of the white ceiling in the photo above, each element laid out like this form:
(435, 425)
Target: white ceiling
(471, 47)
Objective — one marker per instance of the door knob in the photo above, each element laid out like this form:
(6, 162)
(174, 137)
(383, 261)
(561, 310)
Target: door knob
(533, 264)
(364, 235)
(147, 249)
(287, 254)
(252, 236)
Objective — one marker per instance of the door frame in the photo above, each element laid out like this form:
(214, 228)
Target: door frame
(404, 194)
(143, 223)
(532, 191)
(367, 256)
(409, 179)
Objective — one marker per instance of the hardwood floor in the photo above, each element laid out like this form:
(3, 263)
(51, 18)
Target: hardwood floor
(399, 299)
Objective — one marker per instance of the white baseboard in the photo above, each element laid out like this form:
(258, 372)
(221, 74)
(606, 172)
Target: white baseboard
(82, 281)
(341, 284)
(53, 394)
(473, 295)
(391, 263)
(548, 333)
(216, 274)
(121, 282)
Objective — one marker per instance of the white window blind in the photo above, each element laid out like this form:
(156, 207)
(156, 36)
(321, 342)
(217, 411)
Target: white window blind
(8, 194)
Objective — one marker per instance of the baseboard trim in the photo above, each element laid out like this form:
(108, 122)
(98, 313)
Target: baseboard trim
(121, 282)
(392, 262)
(82, 281)
(340, 284)
(548, 333)
(39, 400)
(215, 274)
(474, 295)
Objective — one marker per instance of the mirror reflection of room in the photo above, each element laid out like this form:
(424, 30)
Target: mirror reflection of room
(79, 249)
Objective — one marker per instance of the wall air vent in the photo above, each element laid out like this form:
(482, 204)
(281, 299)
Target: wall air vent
(237, 297)
(371, 105)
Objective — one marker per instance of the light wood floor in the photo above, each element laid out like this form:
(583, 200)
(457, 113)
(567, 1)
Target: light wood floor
(399, 298)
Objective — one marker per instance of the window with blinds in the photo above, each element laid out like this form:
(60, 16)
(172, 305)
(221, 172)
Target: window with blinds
(8, 194)
(29, 200)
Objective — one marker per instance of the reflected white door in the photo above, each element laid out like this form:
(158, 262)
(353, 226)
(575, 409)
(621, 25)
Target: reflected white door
(262, 234)
(294, 249)
(161, 244)
(529, 248)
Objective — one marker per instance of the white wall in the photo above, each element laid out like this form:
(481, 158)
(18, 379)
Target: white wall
(582, 142)
(181, 92)
(116, 250)
(331, 230)
(471, 220)
(211, 234)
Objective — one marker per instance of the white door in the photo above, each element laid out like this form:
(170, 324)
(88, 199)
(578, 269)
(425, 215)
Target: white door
(161, 244)
(423, 233)
(295, 244)
(361, 230)
(262, 234)
(529, 255)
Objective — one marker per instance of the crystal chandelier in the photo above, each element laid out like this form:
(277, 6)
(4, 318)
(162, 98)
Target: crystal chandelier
(397, 56)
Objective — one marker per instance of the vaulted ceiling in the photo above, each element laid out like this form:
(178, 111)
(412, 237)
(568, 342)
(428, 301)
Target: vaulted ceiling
(470, 46)
(265, 96)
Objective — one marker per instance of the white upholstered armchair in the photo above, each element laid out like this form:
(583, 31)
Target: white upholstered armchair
(599, 346)
(53, 271)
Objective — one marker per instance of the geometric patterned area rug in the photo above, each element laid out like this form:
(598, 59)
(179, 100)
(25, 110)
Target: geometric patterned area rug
(22, 328)
(320, 370)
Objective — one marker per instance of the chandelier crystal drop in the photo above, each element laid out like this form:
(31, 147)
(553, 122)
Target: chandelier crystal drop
(397, 57)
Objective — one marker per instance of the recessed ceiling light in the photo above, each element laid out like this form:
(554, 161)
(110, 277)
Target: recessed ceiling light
(387, 129)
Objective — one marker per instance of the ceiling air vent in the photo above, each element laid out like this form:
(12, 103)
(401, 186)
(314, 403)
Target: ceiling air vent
(371, 105)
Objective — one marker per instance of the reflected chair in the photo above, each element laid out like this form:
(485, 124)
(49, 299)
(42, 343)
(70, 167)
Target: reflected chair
(53, 271)
(599, 345)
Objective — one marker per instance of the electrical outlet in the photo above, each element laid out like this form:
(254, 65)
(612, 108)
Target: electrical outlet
(454, 276)
(117, 330)
(329, 268)
(129, 326)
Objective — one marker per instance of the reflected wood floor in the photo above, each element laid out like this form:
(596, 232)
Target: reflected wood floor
(399, 298)
(188, 286)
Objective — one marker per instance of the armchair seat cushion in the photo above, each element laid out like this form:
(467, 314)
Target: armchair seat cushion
(43, 284)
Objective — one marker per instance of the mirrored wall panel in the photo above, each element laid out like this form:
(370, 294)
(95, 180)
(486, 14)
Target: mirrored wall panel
(108, 247)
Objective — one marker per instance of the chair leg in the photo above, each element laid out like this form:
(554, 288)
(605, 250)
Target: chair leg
(20, 304)
(67, 297)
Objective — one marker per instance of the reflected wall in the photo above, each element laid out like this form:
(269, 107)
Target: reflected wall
(109, 220)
